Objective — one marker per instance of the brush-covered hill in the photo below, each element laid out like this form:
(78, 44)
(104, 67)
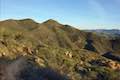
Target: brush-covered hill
(63, 50)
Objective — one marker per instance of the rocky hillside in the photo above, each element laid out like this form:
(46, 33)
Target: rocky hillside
(53, 51)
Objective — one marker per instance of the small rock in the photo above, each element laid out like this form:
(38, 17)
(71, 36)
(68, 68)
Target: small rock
(69, 54)
(40, 61)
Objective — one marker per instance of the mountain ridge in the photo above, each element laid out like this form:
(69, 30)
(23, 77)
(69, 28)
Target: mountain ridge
(70, 34)
(55, 47)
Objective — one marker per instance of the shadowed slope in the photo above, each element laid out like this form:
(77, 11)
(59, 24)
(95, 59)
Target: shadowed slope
(22, 69)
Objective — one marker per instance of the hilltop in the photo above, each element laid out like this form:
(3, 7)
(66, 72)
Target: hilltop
(61, 49)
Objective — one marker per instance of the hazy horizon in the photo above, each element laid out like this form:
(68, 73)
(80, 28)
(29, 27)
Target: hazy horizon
(83, 14)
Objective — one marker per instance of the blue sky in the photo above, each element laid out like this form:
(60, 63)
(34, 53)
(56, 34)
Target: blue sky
(83, 14)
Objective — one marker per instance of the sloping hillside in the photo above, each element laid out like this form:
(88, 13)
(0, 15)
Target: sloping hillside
(64, 50)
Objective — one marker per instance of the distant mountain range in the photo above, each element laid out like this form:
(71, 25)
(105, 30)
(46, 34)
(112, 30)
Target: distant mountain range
(108, 32)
